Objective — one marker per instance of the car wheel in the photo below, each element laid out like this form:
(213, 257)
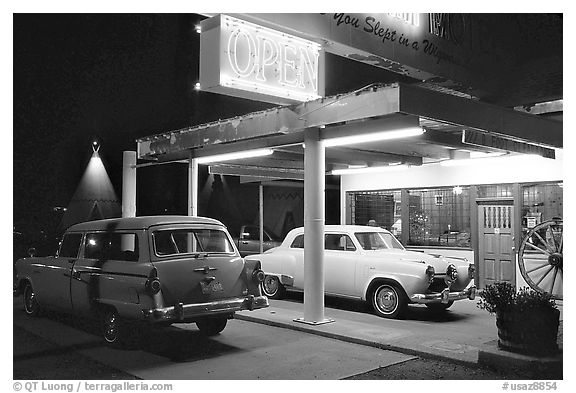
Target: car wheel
(440, 306)
(389, 301)
(272, 287)
(211, 326)
(31, 305)
(111, 326)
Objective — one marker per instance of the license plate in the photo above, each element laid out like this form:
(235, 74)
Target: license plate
(445, 296)
(214, 286)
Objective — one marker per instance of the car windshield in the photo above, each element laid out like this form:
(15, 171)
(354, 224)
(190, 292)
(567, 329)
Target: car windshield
(377, 241)
(187, 241)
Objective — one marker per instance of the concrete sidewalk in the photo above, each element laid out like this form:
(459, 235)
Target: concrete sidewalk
(463, 334)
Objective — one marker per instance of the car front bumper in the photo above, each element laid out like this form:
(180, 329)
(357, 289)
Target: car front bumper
(445, 296)
(190, 312)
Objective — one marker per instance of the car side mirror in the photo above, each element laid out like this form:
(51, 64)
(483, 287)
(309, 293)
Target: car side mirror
(31, 252)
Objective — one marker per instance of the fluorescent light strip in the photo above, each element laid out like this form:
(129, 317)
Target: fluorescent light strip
(235, 156)
(526, 158)
(373, 137)
(369, 169)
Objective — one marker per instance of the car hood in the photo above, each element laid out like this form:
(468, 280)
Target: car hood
(439, 263)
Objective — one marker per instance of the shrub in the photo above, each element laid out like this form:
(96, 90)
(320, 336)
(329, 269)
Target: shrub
(502, 297)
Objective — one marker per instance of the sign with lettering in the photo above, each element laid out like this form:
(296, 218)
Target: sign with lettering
(246, 60)
(457, 51)
(477, 138)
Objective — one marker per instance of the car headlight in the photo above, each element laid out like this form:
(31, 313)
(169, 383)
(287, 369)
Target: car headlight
(430, 273)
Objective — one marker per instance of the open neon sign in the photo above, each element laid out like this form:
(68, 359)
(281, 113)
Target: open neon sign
(260, 63)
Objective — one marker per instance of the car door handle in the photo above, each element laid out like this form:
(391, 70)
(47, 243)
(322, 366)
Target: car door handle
(76, 275)
(244, 242)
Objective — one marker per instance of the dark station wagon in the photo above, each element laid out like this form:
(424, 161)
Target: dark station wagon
(152, 270)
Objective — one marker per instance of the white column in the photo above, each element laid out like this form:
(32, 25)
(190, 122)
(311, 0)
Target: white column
(129, 184)
(314, 180)
(192, 186)
(261, 214)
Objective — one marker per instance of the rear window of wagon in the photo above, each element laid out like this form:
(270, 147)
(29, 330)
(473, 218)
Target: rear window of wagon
(189, 241)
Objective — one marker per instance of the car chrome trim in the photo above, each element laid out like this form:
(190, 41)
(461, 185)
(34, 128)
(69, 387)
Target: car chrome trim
(181, 311)
(444, 297)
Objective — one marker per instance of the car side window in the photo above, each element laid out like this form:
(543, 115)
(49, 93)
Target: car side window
(115, 246)
(339, 242)
(298, 242)
(251, 233)
(70, 245)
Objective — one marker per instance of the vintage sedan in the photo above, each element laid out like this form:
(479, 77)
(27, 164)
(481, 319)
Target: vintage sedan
(151, 270)
(368, 263)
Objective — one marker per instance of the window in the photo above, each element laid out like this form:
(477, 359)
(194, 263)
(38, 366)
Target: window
(371, 241)
(70, 245)
(111, 246)
(340, 242)
(186, 241)
(381, 206)
(298, 242)
(439, 217)
(540, 203)
(253, 233)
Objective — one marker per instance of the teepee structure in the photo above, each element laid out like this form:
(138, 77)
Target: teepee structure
(94, 198)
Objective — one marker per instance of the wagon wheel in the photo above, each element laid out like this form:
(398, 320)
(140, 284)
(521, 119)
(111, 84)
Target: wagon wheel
(540, 258)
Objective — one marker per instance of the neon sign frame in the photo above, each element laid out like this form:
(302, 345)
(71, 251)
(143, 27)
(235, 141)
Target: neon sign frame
(258, 63)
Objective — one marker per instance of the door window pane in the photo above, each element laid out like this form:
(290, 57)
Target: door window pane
(70, 245)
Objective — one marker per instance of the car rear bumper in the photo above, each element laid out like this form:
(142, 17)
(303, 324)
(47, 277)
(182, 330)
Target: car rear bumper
(445, 296)
(183, 312)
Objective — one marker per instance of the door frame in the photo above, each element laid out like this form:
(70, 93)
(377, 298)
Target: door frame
(513, 201)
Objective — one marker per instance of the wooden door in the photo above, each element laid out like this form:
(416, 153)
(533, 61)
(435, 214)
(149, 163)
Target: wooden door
(497, 257)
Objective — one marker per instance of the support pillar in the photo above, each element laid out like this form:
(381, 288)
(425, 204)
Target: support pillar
(192, 186)
(261, 215)
(129, 184)
(314, 180)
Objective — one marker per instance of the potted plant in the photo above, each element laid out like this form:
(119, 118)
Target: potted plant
(527, 320)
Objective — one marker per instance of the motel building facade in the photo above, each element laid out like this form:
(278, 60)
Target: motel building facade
(453, 143)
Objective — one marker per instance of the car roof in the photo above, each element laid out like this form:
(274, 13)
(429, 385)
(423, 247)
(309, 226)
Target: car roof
(143, 222)
(347, 228)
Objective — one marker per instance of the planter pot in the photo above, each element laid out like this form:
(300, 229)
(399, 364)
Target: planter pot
(533, 332)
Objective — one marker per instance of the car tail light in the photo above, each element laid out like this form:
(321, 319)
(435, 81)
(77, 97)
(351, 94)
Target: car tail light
(471, 271)
(430, 273)
(153, 284)
(258, 276)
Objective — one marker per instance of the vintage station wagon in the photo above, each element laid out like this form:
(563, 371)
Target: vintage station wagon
(368, 263)
(150, 270)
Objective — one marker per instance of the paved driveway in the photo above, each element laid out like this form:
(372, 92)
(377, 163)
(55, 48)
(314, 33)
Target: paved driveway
(244, 350)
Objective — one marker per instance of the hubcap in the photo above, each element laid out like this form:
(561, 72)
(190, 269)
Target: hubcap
(30, 300)
(387, 300)
(271, 285)
(110, 328)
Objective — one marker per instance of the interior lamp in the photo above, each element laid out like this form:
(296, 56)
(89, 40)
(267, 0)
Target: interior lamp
(369, 169)
(498, 160)
(373, 137)
(235, 156)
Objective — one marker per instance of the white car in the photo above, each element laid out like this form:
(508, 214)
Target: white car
(368, 263)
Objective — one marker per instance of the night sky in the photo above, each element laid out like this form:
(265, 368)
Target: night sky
(112, 78)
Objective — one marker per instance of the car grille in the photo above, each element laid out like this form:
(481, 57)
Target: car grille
(438, 284)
